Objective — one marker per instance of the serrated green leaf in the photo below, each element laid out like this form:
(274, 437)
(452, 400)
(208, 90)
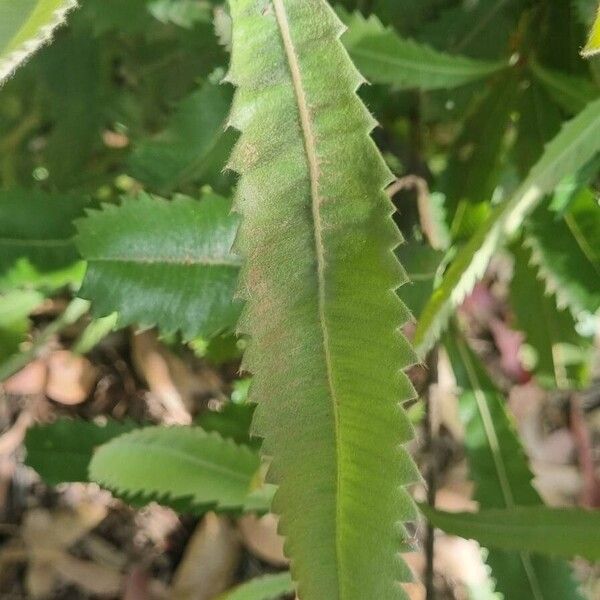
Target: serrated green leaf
(565, 249)
(318, 238)
(592, 48)
(565, 532)
(571, 92)
(383, 56)
(61, 452)
(500, 471)
(36, 237)
(15, 307)
(547, 328)
(167, 464)
(268, 587)
(574, 146)
(232, 422)
(26, 25)
(193, 148)
(162, 263)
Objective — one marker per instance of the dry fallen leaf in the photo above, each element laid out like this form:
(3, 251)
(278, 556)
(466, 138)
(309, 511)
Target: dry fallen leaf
(71, 378)
(260, 536)
(29, 381)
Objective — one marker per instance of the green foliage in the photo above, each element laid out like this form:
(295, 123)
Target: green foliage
(179, 466)
(502, 478)
(554, 531)
(317, 235)
(592, 48)
(576, 144)
(25, 26)
(15, 307)
(62, 451)
(383, 56)
(268, 587)
(162, 263)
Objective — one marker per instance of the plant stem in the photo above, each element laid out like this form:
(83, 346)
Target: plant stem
(74, 311)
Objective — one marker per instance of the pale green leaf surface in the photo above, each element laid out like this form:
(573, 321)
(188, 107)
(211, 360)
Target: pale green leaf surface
(15, 307)
(268, 587)
(194, 146)
(162, 263)
(383, 56)
(318, 236)
(502, 478)
(592, 48)
(25, 25)
(61, 451)
(565, 532)
(566, 250)
(576, 144)
(170, 464)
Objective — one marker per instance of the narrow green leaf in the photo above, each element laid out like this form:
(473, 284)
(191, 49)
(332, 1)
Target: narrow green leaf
(268, 587)
(565, 532)
(500, 471)
(25, 25)
(162, 263)
(592, 48)
(170, 464)
(565, 248)
(318, 236)
(383, 56)
(36, 238)
(61, 452)
(576, 144)
(15, 307)
(193, 148)
(571, 92)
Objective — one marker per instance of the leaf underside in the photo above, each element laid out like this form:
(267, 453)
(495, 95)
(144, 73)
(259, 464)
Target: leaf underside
(318, 236)
(162, 263)
(25, 25)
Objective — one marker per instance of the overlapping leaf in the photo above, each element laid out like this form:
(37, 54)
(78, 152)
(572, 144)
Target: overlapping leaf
(162, 263)
(502, 478)
(317, 236)
(25, 25)
(268, 587)
(383, 56)
(592, 48)
(576, 144)
(177, 464)
(15, 307)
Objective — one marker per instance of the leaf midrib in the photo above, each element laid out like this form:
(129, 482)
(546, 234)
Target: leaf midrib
(308, 135)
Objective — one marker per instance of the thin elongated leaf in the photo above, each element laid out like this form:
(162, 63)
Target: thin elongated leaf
(170, 464)
(317, 236)
(576, 144)
(383, 56)
(162, 263)
(268, 587)
(36, 237)
(15, 307)
(25, 25)
(565, 532)
(572, 93)
(547, 328)
(592, 48)
(193, 148)
(502, 478)
(565, 249)
(61, 452)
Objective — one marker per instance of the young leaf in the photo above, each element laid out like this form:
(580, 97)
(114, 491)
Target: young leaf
(25, 25)
(170, 464)
(36, 237)
(267, 587)
(61, 452)
(193, 148)
(565, 248)
(576, 144)
(383, 56)
(592, 48)
(162, 263)
(317, 236)
(565, 532)
(15, 307)
(502, 478)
